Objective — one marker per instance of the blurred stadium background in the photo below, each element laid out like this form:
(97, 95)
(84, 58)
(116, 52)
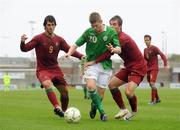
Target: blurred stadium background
(23, 75)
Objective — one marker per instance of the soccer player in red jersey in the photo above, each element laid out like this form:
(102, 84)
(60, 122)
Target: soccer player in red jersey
(47, 47)
(151, 55)
(132, 74)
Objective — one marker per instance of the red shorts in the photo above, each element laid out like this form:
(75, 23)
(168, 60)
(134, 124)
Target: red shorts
(53, 74)
(152, 76)
(128, 75)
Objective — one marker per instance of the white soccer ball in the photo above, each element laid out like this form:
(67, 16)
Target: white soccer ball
(72, 115)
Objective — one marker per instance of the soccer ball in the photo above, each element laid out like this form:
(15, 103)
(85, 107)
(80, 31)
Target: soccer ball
(72, 115)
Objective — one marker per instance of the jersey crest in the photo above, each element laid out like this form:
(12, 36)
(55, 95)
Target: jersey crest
(105, 38)
(56, 44)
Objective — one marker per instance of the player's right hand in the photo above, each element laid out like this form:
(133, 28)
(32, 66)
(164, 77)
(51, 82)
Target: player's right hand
(23, 38)
(109, 46)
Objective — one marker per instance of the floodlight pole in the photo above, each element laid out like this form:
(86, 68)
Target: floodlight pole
(164, 42)
(32, 23)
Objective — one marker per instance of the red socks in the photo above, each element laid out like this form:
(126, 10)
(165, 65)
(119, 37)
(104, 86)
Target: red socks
(64, 102)
(52, 97)
(116, 94)
(133, 103)
(154, 95)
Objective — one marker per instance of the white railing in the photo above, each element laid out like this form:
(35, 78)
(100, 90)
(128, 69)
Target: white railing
(174, 85)
(12, 87)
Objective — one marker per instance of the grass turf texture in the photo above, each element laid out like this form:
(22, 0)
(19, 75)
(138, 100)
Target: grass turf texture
(30, 110)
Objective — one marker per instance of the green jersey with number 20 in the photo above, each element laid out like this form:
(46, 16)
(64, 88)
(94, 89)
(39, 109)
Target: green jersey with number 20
(96, 44)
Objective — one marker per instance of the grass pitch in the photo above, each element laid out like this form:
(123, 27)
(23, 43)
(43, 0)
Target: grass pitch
(30, 110)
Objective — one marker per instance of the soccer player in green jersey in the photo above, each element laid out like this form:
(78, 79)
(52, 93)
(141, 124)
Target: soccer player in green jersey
(96, 38)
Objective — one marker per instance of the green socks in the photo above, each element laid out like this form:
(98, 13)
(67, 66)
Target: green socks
(96, 99)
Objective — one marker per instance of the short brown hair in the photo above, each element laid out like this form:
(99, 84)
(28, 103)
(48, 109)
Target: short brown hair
(118, 18)
(94, 17)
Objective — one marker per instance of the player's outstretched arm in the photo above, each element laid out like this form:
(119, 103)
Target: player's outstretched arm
(163, 57)
(28, 46)
(106, 55)
(72, 49)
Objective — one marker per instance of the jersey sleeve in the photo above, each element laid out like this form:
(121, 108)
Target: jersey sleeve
(106, 55)
(81, 40)
(145, 54)
(115, 40)
(30, 45)
(65, 47)
(163, 57)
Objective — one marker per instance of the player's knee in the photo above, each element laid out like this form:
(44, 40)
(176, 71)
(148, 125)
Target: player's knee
(47, 84)
(129, 92)
(154, 88)
(91, 87)
(152, 82)
(152, 85)
(111, 85)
